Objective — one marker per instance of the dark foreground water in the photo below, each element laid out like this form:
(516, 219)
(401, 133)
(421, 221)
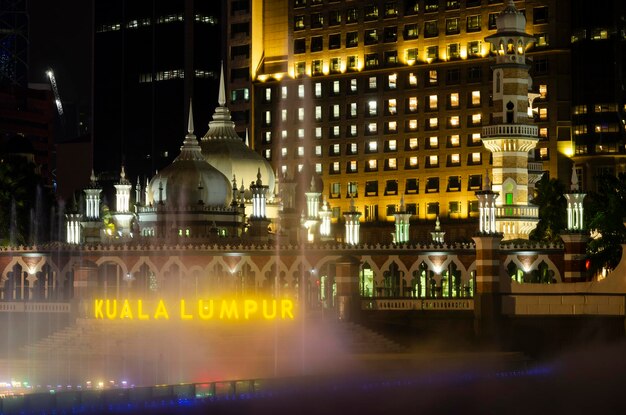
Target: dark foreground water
(590, 380)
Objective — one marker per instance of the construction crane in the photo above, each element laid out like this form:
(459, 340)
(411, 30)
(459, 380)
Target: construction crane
(55, 91)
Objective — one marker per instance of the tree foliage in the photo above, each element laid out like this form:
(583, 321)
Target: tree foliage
(24, 203)
(549, 197)
(605, 212)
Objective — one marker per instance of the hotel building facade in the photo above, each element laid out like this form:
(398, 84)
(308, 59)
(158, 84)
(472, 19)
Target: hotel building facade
(387, 99)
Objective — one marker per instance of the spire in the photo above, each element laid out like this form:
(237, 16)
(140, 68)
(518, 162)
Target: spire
(221, 99)
(402, 204)
(575, 187)
(190, 123)
(92, 179)
(313, 187)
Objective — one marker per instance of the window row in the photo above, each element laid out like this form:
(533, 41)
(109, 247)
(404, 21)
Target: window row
(374, 188)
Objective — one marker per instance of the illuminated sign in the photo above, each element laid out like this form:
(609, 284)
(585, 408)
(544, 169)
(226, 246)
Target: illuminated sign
(201, 309)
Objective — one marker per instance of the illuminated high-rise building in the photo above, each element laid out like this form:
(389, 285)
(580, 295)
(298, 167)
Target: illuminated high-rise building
(388, 98)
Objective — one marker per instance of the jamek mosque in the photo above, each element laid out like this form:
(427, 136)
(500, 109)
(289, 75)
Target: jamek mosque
(218, 222)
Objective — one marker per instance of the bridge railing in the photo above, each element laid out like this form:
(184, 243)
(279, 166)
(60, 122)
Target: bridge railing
(421, 304)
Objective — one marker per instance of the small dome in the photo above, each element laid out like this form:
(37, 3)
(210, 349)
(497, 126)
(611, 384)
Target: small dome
(511, 20)
(189, 179)
(226, 151)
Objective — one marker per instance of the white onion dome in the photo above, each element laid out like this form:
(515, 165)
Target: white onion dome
(227, 152)
(511, 20)
(190, 179)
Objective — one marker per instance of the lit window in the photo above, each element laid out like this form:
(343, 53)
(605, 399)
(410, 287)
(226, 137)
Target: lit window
(283, 92)
(432, 102)
(475, 97)
(455, 159)
(372, 82)
(352, 166)
(283, 169)
(543, 91)
(268, 154)
(372, 164)
(353, 109)
(353, 131)
(301, 114)
(268, 117)
(433, 122)
(318, 113)
(283, 115)
(301, 151)
(454, 99)
(283, 134)
(476, 158)
(318, 168)
(318, 150)
(543, 132)
(372, 107)
(455, 140)
(475, 138)
(354, 148)
(393, 79)
(543, 113)
(300, 132)
(318, 89)
(335, 87)
(454, 50)
(283, 151)
(412, 79)
(543, 154)
(411, 55)
(268, 137)
(336, 131)
(392, 163)
(412, 104)
(335, 167)
(336, 111)
(392, 126)
(391, 106)
(413, 143)
(432, 53)
(353, 64)
(335, 150)
(413, 161)
(318, 132)
(432, 77)
(474, 48)
(392, 145)
(476, 119)
(432, 161)
(372, 146)
(433, 142)
(372, 128)
(268, 94)
(353, 85)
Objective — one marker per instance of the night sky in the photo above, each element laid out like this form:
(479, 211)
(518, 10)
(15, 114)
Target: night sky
(60, 38)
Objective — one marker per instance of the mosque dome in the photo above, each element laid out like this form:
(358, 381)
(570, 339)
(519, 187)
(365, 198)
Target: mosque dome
(226, 151)
(190, 179)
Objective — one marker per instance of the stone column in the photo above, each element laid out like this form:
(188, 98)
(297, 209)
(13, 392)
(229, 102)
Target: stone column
(347, 280)
(487, 293)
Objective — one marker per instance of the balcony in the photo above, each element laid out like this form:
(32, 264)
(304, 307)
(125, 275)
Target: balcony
(510, 130)
(517, 212)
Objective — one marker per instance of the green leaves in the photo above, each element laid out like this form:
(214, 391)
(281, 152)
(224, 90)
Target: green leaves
(552, 210)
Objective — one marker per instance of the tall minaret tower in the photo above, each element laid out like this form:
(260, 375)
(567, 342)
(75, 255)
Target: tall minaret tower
(511, 134)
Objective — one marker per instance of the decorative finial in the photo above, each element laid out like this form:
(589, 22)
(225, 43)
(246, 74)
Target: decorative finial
(402, 203)
(122, 173)
(234, 182)
(247, 138)
(313, 187)
(221, 99)
(258, 178)
(93, 177)
(437, 224)
(575, 187)
(190, 122)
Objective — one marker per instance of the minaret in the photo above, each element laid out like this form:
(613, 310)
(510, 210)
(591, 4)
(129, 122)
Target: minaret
(575, 237)
(311, 220)
(352, 224)
(91, 224)
(259, 223)
(73, 220)
(487, 209)
(512, 134)
(123, 216)
(438, 235)
(401, 235)
(325, 216)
